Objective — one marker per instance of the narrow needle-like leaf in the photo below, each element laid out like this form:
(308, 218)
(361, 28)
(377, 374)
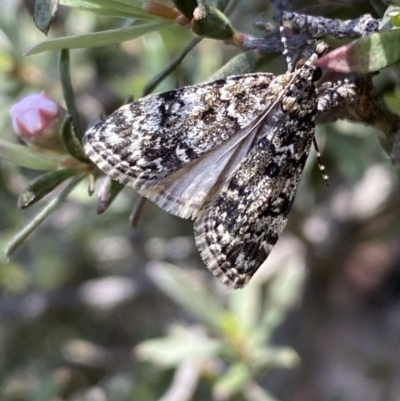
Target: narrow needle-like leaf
(18, 239)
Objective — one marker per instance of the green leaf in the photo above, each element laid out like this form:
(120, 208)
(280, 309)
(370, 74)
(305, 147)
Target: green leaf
(43, 185)
(389, 19)
(243, 63)
(71, 141)
(232, 382)
(368, 54)
(118, 8)
(22, 235)
(254, 392)
(97, 38)
(181, 346)
(44, 14)
(245, 305)
(276, 358)
(25, 156)
(188, 292)
(10, 28)
(93, 3)
(283, 292)
(112, 8)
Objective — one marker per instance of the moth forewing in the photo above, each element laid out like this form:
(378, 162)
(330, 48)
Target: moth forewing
(237, 230)
(153, 145)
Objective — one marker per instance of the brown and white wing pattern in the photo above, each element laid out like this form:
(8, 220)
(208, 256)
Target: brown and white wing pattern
(172, 147)
(228, 153)
(236, 231)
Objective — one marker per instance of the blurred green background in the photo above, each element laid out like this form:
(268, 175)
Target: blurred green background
(92, 309)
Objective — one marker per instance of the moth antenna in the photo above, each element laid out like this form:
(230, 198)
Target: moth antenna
(320, 49)
(321, 167)
(285, 33)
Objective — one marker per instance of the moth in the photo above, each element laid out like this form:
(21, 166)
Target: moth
(228, 154)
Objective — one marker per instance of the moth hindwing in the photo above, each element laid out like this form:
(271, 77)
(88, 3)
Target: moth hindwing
(228, 154)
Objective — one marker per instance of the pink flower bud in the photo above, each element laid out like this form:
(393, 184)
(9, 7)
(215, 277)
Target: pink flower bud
(36, 119)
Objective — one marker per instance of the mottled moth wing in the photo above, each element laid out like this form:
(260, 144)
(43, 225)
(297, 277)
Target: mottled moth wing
(227, 153)
(236, 231)
(154, 145)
